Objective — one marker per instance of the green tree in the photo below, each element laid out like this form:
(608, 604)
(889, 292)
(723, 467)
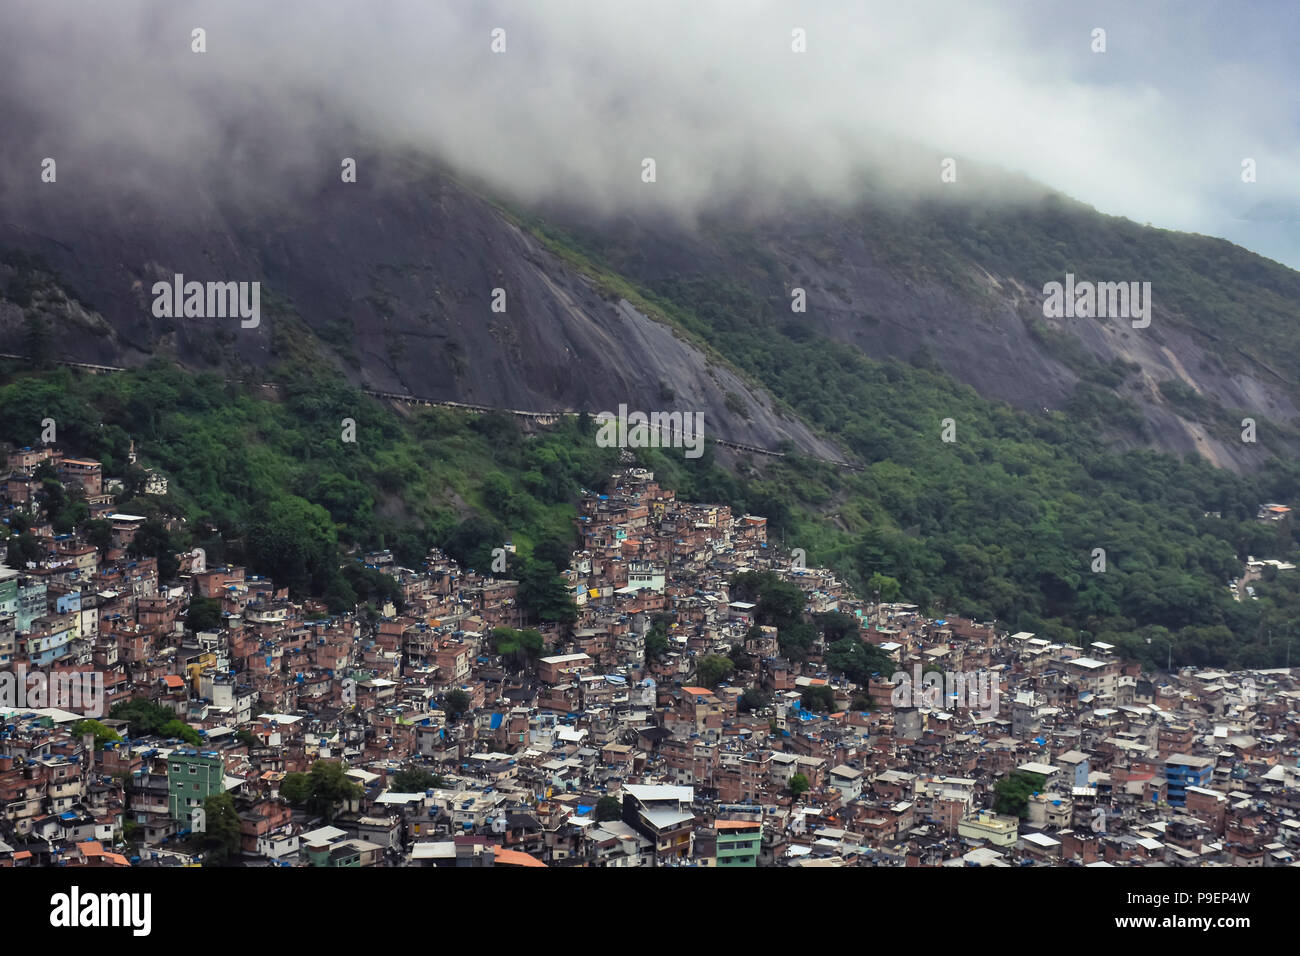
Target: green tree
(752, 700)
(819, 698)
(204, 614)
(54, 495)
(415, 780)
(373, 587)
(544, 594)
(608, 808)
(98, 533)
(457, 702)
(780, 604)
(221, 837)
(519, 647)
(857, 660)
(713, 669)
(1014, 790)
(295, 542)
(836, 625)
(799, 784)
(296, 788)
(134, 481)
(322, 790)
(24, 549)
(472, 541)
(144, 717)
(103, 734)
(887, 587)
(656, 639)
(179, 730)
(153, 540)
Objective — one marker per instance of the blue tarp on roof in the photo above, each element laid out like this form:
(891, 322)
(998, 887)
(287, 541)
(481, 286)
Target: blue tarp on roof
(496, 720)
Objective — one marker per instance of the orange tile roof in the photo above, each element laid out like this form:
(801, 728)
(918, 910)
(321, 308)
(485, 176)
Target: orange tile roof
(174, 681)
(516, 858)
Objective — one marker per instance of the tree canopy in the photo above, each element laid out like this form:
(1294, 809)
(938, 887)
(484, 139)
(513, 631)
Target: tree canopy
(713, 669)
(1014, 790)
(322, 790)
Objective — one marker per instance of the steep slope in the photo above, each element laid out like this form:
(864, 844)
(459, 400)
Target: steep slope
(396, 272)
(958, 282)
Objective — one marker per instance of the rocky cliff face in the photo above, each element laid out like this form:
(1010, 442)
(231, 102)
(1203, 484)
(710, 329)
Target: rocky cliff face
(964, 291)
(395, 275)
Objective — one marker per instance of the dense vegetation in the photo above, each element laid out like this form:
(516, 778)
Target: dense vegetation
(322, 790)
(267, 480)
(1014, 790)
(1001, 523)
(144, 718)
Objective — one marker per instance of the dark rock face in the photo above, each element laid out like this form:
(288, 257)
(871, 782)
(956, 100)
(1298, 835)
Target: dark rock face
(981, 333)
(396, 280)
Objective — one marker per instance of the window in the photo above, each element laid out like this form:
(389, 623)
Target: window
(194, 770)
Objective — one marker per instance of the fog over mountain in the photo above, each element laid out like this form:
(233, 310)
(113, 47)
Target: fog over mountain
(1155, 128)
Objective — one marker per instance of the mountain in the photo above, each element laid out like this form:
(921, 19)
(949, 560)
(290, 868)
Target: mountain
(957, 280)
(393, 276)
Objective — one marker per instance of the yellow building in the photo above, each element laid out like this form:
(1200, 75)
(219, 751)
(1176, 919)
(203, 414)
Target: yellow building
(991, 827)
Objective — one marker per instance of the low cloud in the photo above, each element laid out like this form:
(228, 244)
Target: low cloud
(1155, 128)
